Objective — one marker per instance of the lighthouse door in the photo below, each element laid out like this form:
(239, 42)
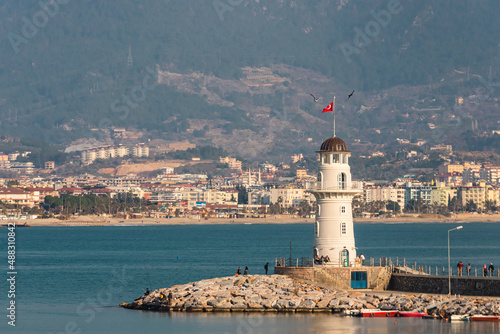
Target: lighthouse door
(344, 258)
(358, 280)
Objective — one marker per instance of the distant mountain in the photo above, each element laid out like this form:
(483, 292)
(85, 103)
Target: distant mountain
(238, 74)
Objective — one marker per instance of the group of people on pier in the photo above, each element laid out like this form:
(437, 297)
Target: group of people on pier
(321, 260)
(238, 272)
(486, 270)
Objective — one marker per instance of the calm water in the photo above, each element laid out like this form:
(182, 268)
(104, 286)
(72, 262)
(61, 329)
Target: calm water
(71, 279)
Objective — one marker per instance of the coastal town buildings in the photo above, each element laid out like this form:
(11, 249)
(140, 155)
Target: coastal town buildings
(279, 188)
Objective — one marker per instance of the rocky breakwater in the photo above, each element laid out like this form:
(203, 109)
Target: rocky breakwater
(276, 293)
(440, 306)
(251, 293)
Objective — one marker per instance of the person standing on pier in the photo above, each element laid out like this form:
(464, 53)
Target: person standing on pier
(485, 271)
(460, 267)
(491, 268)
(266, 267)
(468, 269)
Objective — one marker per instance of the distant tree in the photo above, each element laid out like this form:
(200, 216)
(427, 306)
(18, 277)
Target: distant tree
(490, 205)
(274, 208)
(471, 206)
(394, 206)
(304, 209)
(242, 195)
(454, 205)
(12, 183)
(411, 206)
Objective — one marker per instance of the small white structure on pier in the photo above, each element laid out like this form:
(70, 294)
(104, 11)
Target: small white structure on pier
(334, 232)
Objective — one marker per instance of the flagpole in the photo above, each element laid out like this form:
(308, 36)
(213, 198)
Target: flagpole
(333, 110)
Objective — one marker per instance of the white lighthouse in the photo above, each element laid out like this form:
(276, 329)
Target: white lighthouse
(334, 232)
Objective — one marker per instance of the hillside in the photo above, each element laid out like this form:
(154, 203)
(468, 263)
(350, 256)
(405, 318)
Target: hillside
(239, 76)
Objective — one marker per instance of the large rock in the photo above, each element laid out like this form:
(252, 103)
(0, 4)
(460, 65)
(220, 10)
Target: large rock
(239, 306)
(387, 306)
(308, 303)
(334, 303)
(224, 305)
(313, 295)
(280, 304)
(369, 306)
(218, 302)
(374, 301)
(255, 305)
(238, 300)
(408, 306)
(269, 303)
(220, 294)
(295, 302)
(325, 300)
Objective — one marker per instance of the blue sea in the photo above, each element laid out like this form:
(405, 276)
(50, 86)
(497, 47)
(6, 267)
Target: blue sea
(71, 279)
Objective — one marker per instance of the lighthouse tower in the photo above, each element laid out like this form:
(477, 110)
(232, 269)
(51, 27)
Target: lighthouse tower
(334, 233)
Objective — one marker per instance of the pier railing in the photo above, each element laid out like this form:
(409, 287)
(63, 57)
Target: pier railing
(399, 265)
(293, 262)
(336, 186)
(407, 266)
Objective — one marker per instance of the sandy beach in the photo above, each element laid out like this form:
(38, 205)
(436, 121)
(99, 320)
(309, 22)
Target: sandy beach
(107, 221)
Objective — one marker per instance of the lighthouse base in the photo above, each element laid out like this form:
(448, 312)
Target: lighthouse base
(376, 278)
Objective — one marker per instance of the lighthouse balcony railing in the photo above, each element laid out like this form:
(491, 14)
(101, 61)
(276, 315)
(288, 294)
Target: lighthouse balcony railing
(337, 186)
(293, 262)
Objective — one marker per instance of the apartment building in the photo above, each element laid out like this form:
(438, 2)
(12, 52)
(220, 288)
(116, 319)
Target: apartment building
(479, 193)
(290, 197)
(442, 194)
(396, 194)
(140, 150)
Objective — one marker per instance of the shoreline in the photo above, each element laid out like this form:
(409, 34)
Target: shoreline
(106, 221)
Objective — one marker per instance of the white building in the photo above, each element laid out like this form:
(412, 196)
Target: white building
(297, 157)
(385, 193)
(140, 150)
(491, 174)
(334, 232)
(231, 162)
(121, 151)
(289, 197)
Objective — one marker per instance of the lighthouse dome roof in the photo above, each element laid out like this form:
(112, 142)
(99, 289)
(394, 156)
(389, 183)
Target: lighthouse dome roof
(334, 144)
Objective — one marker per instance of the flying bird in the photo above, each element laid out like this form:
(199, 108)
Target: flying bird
(349, 96)
(314, 97)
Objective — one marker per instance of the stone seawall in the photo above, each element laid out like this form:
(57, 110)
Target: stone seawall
(306, 273)
(466, 286)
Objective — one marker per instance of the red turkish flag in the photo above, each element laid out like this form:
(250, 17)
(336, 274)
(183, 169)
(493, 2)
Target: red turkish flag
(329, 108)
